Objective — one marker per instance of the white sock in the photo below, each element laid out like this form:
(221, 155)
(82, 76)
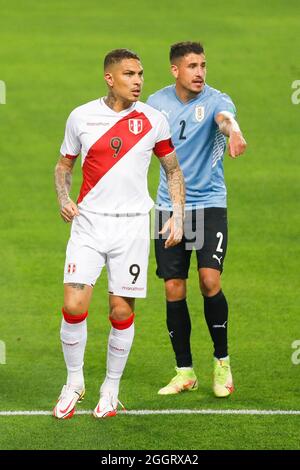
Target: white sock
(119, 345)
(73, 337)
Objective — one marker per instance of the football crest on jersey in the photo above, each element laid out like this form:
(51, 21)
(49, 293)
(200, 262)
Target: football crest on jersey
(199, 113)
(71, 268)
(135, 126)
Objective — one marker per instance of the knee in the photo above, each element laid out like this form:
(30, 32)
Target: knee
(209, 285)
(74, 306)
(175, 289)
(120, 312)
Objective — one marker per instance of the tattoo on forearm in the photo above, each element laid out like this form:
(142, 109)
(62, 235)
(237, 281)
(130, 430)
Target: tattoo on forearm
(175, 182)
(76, 286)
(63, 181)
(68, 180)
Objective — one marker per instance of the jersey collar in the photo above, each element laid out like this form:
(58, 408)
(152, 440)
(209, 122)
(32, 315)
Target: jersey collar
(121, 113)
(200, 95)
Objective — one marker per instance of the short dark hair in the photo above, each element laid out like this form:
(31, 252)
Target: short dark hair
(117, 55)
(181, 49)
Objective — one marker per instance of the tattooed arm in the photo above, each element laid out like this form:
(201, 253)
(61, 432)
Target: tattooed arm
(177, 194)
(63, 181)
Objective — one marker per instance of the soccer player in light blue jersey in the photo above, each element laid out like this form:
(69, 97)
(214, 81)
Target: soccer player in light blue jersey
(200, 118)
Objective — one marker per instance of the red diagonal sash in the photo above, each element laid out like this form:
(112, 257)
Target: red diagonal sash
(110, 148)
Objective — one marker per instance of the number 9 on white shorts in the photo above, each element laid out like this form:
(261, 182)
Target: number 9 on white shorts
(121, 243)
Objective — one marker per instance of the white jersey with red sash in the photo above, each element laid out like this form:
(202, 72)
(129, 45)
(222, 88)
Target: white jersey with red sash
(115, 150)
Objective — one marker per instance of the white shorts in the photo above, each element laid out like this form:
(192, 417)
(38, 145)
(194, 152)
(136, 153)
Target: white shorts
(119, 242)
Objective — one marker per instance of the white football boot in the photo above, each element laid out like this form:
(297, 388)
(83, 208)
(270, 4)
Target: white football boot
(65, 406)
(107, 405)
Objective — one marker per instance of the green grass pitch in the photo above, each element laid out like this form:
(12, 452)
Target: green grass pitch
(51, 61)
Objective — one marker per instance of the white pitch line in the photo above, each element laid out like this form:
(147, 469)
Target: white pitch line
(163, 412)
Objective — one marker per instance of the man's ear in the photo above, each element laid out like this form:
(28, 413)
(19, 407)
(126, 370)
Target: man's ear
(109, 79)
(174, 70)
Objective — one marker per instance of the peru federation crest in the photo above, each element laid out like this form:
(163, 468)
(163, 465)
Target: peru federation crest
(135, 126)
(71, 268)
(199, 113)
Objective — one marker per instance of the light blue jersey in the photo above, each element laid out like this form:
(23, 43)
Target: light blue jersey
(199, 144)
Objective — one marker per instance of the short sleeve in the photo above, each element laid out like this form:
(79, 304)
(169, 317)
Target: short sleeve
(224, 103)
(71, 145)
(163, 145)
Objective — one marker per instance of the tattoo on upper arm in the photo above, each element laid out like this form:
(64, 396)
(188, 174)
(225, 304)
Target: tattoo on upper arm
(76, 285)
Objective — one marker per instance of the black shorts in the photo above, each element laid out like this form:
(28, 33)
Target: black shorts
(205, 231)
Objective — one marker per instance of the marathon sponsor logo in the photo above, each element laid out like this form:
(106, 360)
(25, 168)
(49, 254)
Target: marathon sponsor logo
(97, 123)
(117, 349)
(132, 288)
(70, 344)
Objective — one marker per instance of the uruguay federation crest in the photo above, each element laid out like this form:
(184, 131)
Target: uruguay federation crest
(135, 126)
(199, 113)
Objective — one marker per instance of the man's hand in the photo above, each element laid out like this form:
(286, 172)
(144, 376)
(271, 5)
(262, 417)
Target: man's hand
(229, 127)
(236, 144)
(69, 211)
(175, 226)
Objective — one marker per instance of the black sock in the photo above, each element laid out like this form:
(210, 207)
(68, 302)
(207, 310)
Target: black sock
(179, 327)
(216, 316)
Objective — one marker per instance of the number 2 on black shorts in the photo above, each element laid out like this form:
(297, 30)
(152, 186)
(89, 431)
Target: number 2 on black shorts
(220, 236)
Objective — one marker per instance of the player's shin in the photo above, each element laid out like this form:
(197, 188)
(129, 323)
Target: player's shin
(73, 335)
(216, 315)
(119, 345)
(179, 327)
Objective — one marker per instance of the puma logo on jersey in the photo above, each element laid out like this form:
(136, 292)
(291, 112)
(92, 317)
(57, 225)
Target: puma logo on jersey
(218, 259)
(220, 326)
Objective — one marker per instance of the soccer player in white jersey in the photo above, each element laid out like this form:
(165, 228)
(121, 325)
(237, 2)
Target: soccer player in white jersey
(200, 118)
(115, 136)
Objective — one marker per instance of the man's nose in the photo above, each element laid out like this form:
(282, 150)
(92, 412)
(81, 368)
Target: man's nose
(138, 79)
